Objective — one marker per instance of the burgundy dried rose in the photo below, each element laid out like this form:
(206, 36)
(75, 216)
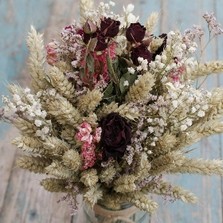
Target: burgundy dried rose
(140, 51)
(101, 43)
(135, 32)
(109, 27)
(87, 37)
(115, 136)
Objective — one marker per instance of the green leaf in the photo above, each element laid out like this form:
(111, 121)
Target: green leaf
(90, 63)
(126, 77)
(128, 62)
(81, 73)
(92, 44)
(113, 75)
(111, 99)
(109, 90)
(115, 64)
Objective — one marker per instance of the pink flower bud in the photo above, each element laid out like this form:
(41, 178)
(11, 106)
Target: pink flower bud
(84, 133)
(97, 135)
(88, 155)
(89, 27)
(52, 53)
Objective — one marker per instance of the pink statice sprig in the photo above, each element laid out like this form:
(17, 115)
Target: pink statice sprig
(89, 139)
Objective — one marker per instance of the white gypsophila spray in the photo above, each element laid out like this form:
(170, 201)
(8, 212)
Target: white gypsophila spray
(27, 106)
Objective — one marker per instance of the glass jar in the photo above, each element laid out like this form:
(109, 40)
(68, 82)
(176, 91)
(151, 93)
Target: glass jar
(127, 214)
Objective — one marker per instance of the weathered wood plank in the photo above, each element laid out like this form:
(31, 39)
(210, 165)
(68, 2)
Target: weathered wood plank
(25, 200)
(13, 53)
(6, 164)
(28, 202)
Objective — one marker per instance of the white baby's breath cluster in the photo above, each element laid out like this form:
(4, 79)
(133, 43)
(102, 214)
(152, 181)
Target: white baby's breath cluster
(143, 64)
(128, 17)
(104, 9)
(26, 105)
(176, 49)
(181, 101)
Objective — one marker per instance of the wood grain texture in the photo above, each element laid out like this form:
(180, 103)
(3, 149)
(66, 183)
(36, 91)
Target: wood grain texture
(6, 164)
(22, 200)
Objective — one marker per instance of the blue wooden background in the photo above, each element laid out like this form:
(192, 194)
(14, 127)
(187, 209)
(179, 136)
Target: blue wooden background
(22, 200)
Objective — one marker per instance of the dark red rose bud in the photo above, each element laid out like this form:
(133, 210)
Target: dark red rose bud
(109, 27)
(135, 32)
(101, 43)
(140, 51)
(115, 136)
(87, 37)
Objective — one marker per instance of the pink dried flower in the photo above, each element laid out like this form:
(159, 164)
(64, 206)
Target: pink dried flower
(101, 67)
(176, 73)
(101, 74)
(89, 140)
(112, 50)
(52, 53)
(84, 134)
(86, 125)
(198, 30)
(88, 155)
(191, 34)
(97, 135)
(213, 25)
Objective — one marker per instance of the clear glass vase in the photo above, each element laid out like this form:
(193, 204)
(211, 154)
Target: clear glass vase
(127, 214)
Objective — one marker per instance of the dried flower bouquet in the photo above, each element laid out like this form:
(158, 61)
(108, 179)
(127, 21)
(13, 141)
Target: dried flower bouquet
(115, 108)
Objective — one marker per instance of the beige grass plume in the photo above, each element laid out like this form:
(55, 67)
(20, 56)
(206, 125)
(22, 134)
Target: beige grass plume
(85, 5)
(36, 59)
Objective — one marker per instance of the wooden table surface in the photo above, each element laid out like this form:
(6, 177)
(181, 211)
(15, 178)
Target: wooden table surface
(22, 199)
